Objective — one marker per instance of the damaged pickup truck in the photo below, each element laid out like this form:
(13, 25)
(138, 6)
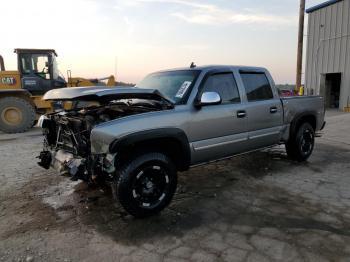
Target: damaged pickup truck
(137, 139)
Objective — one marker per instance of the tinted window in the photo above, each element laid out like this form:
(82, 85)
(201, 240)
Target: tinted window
(257, 86)
(225, 85)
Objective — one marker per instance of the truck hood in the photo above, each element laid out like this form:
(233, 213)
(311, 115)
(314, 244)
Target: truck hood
(103, 94)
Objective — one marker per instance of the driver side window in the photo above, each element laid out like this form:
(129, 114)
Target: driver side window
(225, 85)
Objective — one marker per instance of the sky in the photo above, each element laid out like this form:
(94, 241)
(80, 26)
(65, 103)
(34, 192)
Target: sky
(131, 38)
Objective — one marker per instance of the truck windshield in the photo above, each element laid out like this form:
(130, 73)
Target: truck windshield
(174, 85)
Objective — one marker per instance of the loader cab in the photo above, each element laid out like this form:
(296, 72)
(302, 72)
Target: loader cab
(39, 71)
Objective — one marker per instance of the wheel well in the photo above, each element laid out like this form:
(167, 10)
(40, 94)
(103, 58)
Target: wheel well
(311, 119)
(171, 147)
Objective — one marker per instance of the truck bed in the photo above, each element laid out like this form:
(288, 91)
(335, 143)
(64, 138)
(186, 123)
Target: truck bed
(297, 105)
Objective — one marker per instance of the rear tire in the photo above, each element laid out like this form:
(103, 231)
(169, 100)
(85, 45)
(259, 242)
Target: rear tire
(17, 115)
(147, 184)
(301, 144)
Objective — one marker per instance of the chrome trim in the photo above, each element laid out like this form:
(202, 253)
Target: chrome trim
(263, 135)
(210, 98)
(231, 156)
(219, 144)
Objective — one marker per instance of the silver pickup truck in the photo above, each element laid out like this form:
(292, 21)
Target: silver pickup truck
(136, 139)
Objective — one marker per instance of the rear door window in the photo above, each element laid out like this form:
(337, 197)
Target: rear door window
(257, 86)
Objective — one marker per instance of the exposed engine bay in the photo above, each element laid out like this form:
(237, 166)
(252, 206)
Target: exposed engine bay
(67, 146)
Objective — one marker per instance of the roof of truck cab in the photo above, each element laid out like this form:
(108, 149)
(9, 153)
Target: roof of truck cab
(216, 67)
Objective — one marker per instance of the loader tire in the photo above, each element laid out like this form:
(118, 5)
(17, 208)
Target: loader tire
(17, 115)
(147, 184)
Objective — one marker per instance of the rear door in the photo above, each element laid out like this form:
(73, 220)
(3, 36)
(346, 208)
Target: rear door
(264, 110)
(217, 131)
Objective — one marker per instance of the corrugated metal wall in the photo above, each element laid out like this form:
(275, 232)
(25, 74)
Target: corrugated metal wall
(328, 47)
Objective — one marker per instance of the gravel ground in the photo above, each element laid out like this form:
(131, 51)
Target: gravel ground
(257, 207)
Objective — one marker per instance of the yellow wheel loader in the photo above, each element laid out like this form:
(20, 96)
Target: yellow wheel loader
(21, 91)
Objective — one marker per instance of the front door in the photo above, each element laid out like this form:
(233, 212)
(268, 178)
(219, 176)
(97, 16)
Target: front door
(217, 131)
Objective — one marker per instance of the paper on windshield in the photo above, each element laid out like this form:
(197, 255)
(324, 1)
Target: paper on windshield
(183, 89)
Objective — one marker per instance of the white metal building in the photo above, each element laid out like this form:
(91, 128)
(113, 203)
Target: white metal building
(328, 53)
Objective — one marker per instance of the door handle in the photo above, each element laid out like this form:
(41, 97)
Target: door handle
(273, 110)
(241, 114)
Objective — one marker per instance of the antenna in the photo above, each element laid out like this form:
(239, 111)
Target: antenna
(193, 65)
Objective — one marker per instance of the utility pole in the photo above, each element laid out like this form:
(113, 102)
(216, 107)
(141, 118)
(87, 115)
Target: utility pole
(300, 44)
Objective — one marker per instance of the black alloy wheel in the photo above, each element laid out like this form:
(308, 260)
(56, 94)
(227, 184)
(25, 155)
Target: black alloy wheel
(147, 184)
(301, 144)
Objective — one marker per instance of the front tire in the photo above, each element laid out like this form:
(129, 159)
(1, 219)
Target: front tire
(147, 184)
(301, 144)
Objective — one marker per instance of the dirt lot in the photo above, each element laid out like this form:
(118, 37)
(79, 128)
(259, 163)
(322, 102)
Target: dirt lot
(258, 207)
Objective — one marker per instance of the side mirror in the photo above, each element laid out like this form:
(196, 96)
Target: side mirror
(209, 98)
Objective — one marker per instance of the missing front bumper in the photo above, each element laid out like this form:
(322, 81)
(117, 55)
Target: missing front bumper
(63, 162)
